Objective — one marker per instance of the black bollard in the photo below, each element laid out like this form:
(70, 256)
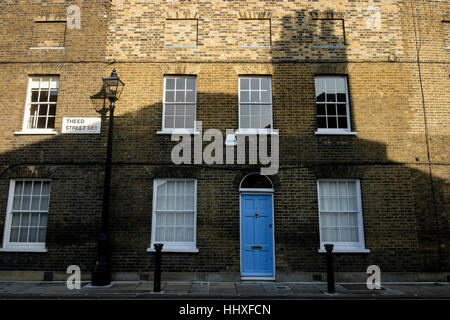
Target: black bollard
(330, 271)
(157, 276)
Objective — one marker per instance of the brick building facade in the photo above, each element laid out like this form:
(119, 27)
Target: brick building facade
(358, 92)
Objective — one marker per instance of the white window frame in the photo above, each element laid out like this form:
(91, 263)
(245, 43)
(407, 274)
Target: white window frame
(174, 246)
(345, 246)
(255, 130)
(178, 130)
(335, 131)
(20, 246)
(25, 129)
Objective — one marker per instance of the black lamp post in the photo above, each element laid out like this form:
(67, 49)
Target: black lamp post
(112, 89)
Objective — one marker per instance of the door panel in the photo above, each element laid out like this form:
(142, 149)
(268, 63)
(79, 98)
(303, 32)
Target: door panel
(257, 235)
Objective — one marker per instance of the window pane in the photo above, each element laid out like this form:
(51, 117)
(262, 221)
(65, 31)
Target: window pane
(53, 96)
(354, 235)
(245, 122)
(27, 188)
(340, 85)
(51, 123)
(331, 97)
(254, 84)
(352, 203)
(34, 95)
(331, 109)
(42, 121)
(26, 202)
(189, 122)
(35, 202)
(44, 202)
(170, 233)
(179, 96)
(179, 219)
(23, 234)
(342, 109)
(32, 236)
(180, 110)
(321, 122)
(190, 110)
(43, 96)
(245, 110)
(25, 220)
(341, 97)
(160, 232)
(321, 109)
(16, 202)
(189, 234)
(265, 96)
(189, 219)
(255, 122)
(170, 96)
(180, 83)
(330, 85)
(332, 122)
(254, 96)
(190, 96)
(179, 122)
(15, 221)
(244, 84)
(190, 84)
(169, 122)
(43, 220)
(170, 218)
(170, 84)
(342, 122)
(245, 96)
(160, 219)
(46, 188)
(41, 236)
(266, 117)
(45, 83)
(179, 233)
(14, 236)
(320, 87)
(266, 84)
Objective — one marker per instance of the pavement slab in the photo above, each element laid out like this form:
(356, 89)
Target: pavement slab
(222, 288)
(199, 288)
(250, 289)
(178, 287)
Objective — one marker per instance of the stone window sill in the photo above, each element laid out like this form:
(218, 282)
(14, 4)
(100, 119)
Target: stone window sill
(37, 131)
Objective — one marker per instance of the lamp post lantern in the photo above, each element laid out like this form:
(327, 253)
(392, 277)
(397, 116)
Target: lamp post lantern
(112, 89)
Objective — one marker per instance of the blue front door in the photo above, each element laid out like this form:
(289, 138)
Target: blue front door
(256, 236)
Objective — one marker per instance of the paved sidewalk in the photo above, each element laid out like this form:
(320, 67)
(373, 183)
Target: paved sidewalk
(221, 290)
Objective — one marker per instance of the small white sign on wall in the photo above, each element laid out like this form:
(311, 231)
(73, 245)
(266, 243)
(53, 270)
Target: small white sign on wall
(81, 125)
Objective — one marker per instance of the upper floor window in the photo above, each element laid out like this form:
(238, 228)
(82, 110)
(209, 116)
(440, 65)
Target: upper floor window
(180, 100)
(255, 103)
(26, 216)
(340, 214)
(332, 101)
(41, 104)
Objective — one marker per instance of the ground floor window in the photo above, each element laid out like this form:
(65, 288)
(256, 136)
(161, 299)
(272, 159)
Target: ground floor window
(340, 214)
(174, 214)
(26, 217)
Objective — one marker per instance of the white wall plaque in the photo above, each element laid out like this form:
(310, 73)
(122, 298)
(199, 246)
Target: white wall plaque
(81, 125)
